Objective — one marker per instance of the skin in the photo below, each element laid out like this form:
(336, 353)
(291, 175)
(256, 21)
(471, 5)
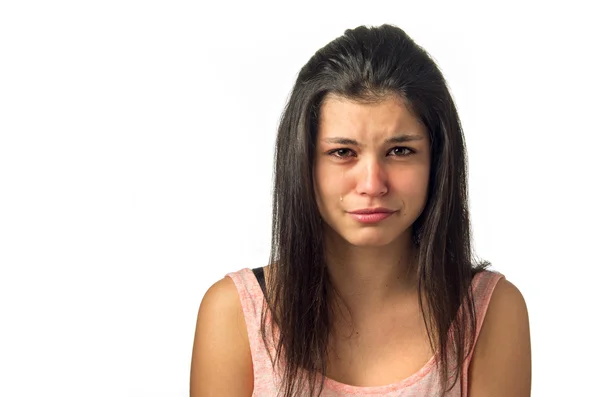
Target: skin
(369, 266)
(358, 160)
(372, 154)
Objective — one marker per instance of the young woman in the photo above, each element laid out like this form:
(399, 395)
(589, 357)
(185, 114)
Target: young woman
(371, 288)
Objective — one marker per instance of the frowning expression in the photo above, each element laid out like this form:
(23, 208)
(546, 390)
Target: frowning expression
(371, 169)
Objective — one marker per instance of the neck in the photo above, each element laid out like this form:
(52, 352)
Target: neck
(371, 277)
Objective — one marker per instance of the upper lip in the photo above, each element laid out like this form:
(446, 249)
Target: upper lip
(372, 210)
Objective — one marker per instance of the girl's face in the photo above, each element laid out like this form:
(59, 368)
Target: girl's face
(370, 157)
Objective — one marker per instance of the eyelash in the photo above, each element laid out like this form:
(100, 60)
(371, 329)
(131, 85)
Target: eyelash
(333, 152)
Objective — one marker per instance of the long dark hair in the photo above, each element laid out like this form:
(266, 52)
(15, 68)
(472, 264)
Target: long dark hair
(366, 63)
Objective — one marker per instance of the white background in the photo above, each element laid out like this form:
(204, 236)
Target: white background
(136, 142)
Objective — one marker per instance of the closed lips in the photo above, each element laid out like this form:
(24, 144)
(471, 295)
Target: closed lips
(372, 211)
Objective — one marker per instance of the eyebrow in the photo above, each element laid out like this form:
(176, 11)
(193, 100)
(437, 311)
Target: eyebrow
(394, 139)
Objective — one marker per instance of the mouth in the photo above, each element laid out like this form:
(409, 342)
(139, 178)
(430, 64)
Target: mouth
(378, 210)
(371, 215)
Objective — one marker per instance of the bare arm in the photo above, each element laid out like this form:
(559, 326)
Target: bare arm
(221, 359)
(501, 364)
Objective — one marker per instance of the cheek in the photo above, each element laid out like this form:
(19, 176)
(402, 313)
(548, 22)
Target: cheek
(412, 185)
(327, 181)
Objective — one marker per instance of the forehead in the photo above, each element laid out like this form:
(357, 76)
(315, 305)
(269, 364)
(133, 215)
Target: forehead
(382, 117)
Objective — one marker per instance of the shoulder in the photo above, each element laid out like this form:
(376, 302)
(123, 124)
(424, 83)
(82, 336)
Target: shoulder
(221, 358)
(507, 294)
(501, 363)
(221, 295)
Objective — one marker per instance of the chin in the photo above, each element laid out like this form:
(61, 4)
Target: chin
(371, 238)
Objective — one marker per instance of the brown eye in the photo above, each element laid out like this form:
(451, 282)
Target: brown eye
(401, 151)
(341, 153)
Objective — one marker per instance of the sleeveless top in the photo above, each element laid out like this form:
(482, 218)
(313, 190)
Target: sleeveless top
(424, 382)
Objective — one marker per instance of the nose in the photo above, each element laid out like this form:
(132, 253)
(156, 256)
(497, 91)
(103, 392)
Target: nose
(372, 180)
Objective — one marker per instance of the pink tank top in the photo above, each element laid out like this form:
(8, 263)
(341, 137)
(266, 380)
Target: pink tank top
(422, 383)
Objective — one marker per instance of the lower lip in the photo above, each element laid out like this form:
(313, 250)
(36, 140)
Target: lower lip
(371, 218)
